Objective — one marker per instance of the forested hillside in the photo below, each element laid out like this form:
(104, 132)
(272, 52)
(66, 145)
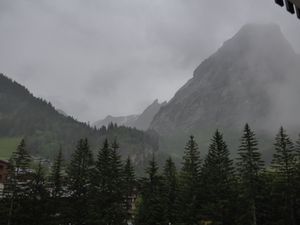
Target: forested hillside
(211, 189)
(45, 129)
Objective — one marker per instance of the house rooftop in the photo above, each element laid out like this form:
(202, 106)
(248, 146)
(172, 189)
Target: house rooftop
(4, 161)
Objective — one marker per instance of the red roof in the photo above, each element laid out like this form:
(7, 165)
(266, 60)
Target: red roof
(4, 162)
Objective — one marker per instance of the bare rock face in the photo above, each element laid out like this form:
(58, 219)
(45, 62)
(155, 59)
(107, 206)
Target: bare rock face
(254, 77)
(120, 120)
(140, 122)
(144, 120)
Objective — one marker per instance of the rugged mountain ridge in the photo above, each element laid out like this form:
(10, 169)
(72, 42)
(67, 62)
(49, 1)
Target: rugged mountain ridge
(249, 79)
(120, 120)
(140, 122)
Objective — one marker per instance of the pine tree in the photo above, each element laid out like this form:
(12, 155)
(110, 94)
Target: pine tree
(102, 186)
(219, 182)
(107, 198)
(171, 187)
(38, 198)
(129, 187)
(189, 189)
(79, 174)
(9, 193)
(297, 206)
(284, 164)
(250, 166)
(17, 186)
(191, 159)
(117, 186)
(56, 176)
(56, 203)
(151, 209)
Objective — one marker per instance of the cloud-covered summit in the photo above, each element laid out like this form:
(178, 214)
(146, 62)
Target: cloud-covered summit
(95, 58)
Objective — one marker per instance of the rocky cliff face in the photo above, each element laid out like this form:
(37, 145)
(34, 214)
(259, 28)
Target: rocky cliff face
(141, 122)
(144, 120)
(254, 77)
(120, 120)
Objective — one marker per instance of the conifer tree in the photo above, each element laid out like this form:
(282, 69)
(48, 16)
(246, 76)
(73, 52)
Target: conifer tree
(297, 206)
(218, 181)
(151, 209)
(171, 188)
(129, 187)
(38, 198)
(56, 179)
(284, 161)
(107, 198)
(9, 193)
(79, 172)
(17, 187)
(101, 187)
(117, 186)
(250, 166)
(56, 176)
(189, 189)
(116, 166)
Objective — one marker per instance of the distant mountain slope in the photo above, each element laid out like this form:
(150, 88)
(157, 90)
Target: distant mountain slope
(45, 129)
(141, 122)
(144, 120)
(253, 77)
(7, 146)
(120, 120)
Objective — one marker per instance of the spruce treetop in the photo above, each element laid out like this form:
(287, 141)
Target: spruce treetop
(249, 162)
(284, 158)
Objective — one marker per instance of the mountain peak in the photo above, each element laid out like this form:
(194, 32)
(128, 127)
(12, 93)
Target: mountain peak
(234, 85)
(265, 38)
(252, 46)
(253, 28)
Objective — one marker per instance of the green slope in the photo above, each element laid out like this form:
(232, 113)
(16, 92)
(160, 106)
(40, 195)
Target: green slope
(7, 146)
(45, 130)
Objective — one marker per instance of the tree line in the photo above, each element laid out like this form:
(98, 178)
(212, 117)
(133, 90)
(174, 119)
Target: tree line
(214, 189)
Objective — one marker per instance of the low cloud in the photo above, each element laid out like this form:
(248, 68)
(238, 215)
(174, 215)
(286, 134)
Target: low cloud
(93, 58)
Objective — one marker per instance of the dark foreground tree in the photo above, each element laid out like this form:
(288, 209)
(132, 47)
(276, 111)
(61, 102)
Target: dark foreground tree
(189, 185)
(56, 176)
(219, 183)
(129, 187)
(56, 183)
(171, 190)
(79, 183)
(37, 203)
(151, 209)
(297, 206)
(17, 186)
(106, 204)
(117, 186)
(249, 167)
(284, 164)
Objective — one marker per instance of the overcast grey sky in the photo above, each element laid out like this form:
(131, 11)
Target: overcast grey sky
(92, 58)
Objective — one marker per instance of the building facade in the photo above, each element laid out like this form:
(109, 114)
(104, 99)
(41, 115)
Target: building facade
(3, 174)
(292, 6)
(3, 171)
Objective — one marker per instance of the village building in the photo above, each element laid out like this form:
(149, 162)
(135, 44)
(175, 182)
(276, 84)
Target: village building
(3, 174)
(3, 170)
